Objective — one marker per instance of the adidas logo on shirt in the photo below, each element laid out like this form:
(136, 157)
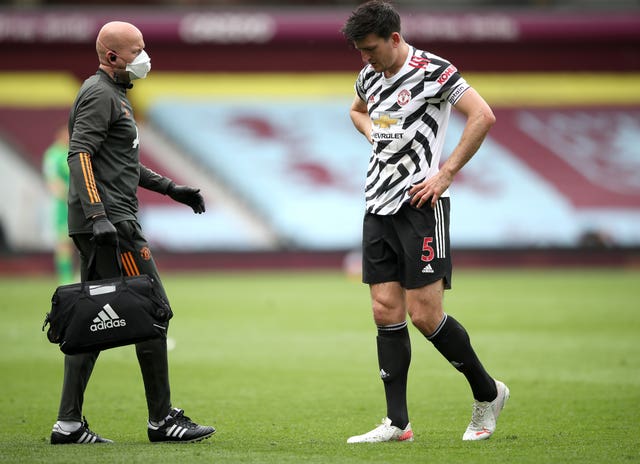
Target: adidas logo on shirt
(107, 319)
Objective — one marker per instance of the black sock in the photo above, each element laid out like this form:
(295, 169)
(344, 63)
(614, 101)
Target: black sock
(452, 341)
(394, 357)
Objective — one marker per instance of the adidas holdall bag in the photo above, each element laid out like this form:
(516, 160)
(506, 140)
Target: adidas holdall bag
(101, 314)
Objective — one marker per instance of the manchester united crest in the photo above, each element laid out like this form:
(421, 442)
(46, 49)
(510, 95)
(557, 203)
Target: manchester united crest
(404, 97)
(145, 253)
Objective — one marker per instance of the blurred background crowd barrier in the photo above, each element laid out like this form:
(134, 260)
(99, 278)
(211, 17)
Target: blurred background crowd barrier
(250, 103)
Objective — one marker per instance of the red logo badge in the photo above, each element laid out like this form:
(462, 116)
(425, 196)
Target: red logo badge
(404, 97)
(145, 253)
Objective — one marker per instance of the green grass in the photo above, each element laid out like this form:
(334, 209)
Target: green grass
(284, 365)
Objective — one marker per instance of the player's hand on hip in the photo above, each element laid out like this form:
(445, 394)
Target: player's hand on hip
(429, 191)
(420, 194)
(187, 195)
(104, 232)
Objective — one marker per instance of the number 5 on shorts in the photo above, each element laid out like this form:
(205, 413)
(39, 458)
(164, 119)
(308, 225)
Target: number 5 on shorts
(426, 246)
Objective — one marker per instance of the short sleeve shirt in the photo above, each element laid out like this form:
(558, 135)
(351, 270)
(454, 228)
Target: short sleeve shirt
(409, 113)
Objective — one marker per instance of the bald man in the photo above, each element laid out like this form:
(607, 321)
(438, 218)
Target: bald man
(105, 173)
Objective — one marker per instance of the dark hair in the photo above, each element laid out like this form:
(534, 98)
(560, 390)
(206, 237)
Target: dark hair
(375, 17)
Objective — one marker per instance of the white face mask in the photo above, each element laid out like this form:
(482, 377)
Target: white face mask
(140, 67)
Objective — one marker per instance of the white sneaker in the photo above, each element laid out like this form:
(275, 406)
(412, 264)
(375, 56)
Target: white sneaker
(485, 415)
(384, 432)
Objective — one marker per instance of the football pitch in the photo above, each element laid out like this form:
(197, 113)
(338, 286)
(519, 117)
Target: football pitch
(284, 366)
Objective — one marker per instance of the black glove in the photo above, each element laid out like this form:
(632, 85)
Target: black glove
(104, 232)
(188, 196)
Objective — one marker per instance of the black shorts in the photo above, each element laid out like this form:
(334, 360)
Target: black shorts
(411, 246)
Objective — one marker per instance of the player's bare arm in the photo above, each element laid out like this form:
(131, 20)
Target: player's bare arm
(480, 118)
(360, 117)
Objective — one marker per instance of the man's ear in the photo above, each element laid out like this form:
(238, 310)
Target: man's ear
(396, 38)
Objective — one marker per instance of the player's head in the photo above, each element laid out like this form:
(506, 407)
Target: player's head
(374, 29)
(120, 48)
(375, 17)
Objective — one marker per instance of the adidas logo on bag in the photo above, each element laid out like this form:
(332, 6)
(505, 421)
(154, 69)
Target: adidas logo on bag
(107, 319)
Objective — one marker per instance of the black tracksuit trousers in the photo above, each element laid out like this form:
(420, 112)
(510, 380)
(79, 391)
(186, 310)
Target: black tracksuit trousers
(152, 354)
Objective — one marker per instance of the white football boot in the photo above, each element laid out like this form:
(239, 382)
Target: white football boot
(485, 415)
(384, 432)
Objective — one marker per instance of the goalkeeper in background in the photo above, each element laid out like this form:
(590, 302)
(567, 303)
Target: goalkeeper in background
(56, 174)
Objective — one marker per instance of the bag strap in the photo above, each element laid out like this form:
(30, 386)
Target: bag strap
(91, 267)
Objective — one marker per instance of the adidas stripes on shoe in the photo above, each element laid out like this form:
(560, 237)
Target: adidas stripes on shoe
(178, 428)
(82, 435)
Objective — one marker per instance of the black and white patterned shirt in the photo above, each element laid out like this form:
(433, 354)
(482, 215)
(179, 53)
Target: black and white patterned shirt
(410, 112)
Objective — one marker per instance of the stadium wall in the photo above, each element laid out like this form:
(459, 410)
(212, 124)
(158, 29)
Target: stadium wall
(38, 264)
(308, 40)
